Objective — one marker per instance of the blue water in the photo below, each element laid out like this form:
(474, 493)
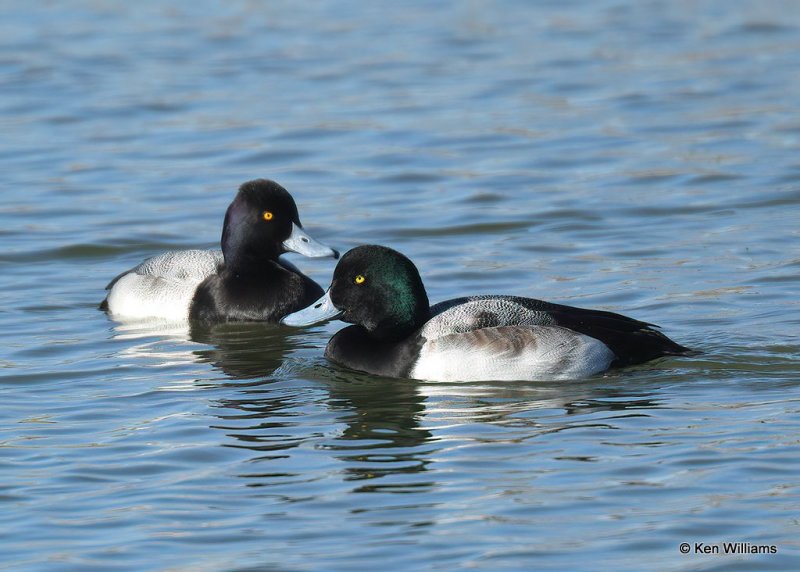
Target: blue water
(639, 157)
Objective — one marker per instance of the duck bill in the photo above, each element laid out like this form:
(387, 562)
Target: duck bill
(301, 243)
(321, 310)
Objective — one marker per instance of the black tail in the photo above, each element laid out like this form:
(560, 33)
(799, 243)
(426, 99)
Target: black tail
(631, 341)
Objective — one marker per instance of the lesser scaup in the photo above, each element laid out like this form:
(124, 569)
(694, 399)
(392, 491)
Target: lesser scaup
(246, 281)
(477, 338)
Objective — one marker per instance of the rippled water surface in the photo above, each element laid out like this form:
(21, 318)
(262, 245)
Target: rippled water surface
(640, 157)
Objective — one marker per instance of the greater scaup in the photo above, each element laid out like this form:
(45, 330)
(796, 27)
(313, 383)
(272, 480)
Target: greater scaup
(246, 281)
(476, 338)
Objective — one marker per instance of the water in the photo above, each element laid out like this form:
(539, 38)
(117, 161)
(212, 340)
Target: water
(631, 156)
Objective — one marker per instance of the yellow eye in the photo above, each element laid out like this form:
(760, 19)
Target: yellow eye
(266, 215)
(360, 279)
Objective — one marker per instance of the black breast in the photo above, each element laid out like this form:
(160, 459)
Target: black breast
(353, 348)
(265, 297)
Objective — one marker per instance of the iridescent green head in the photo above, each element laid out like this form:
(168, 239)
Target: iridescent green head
(375, 287)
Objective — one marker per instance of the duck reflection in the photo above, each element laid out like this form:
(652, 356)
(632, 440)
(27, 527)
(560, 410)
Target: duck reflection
(243, 350)
(383, 433)
(369, 426)
(540, 408)
(316, 422)
(498, 402)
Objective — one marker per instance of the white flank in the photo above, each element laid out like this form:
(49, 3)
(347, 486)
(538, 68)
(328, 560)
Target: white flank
(162, 286)
(512, 353)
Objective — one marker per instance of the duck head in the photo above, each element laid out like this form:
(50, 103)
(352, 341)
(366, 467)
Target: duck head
(262, 223)
(376, 288)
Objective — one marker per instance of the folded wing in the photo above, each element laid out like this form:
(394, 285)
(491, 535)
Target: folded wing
(631, 341)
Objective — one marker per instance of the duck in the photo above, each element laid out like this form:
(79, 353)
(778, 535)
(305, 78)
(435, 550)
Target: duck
(396, 333)
(244, 281)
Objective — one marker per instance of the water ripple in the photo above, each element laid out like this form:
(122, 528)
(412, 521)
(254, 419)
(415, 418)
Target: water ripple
(634, 157)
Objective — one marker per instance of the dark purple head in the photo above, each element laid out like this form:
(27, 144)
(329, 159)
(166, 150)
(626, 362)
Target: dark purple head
(261, 224)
